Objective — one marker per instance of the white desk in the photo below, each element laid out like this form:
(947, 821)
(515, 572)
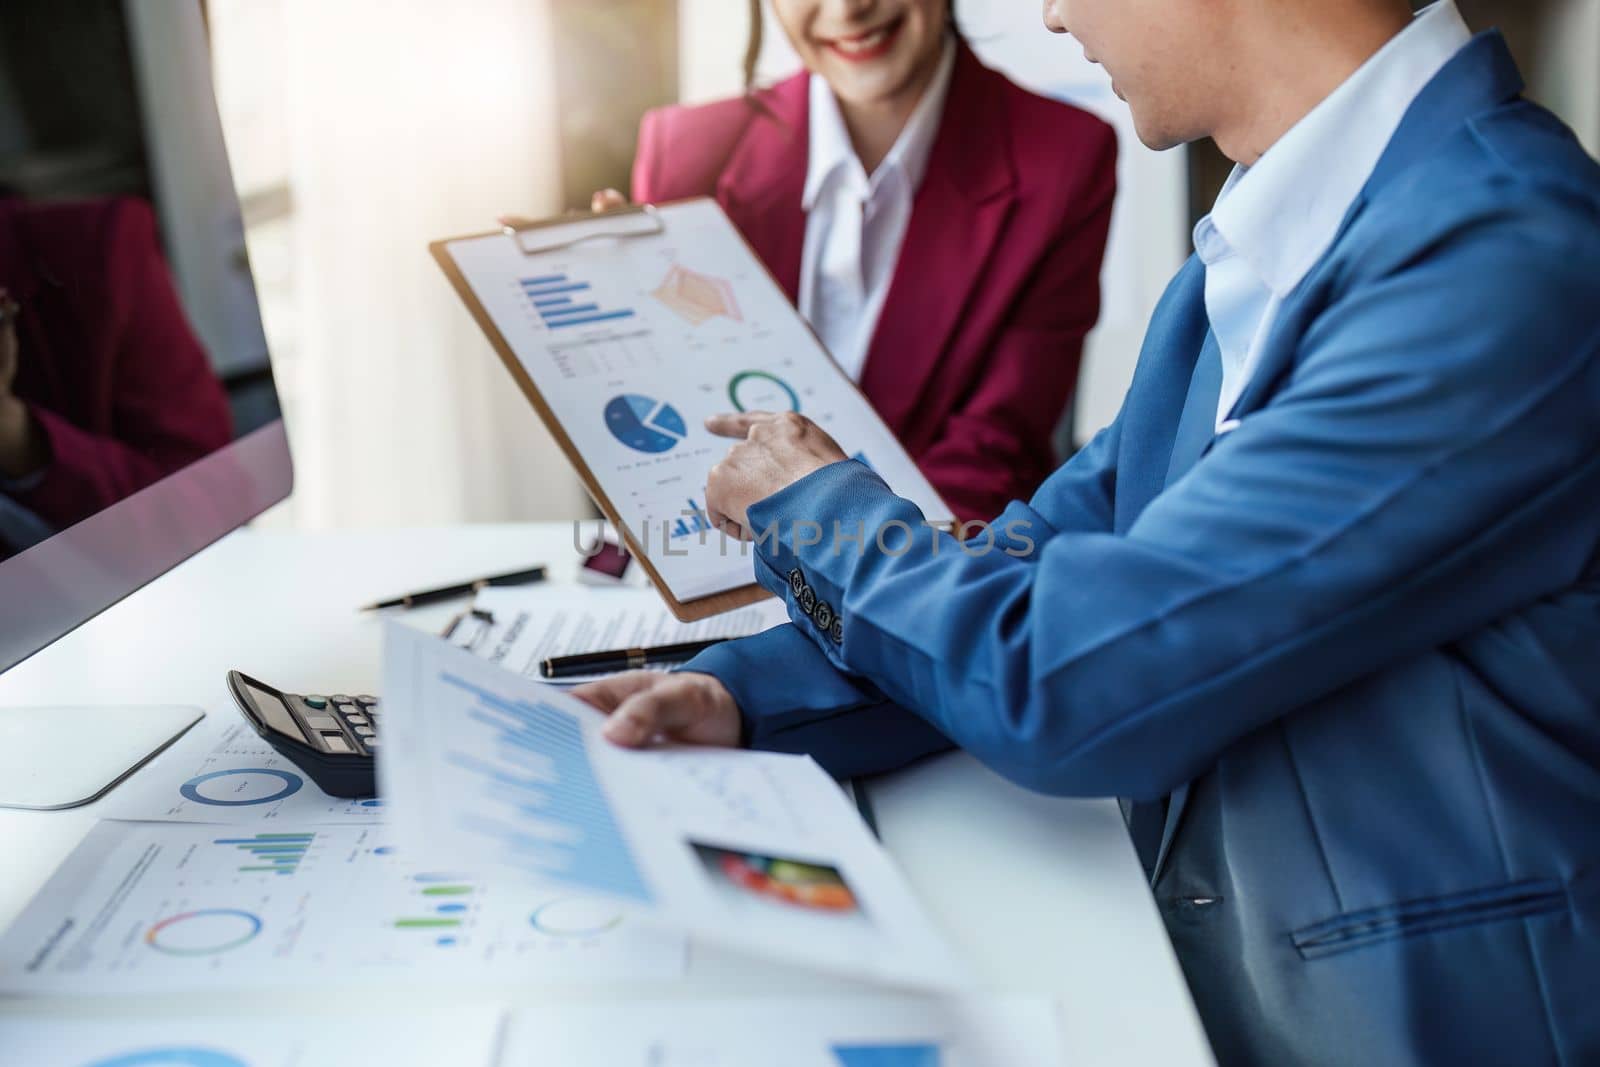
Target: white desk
(1041, 895)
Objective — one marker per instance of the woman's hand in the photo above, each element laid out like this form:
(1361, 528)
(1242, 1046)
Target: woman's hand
(22, 444)
(695, 709)
(8, 344)
(600, 200)
(777, 451)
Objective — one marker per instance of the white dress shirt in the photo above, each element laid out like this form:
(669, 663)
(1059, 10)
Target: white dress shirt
(855, 224)
(1275, 220)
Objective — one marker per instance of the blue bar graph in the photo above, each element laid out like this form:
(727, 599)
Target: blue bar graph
(551, 297)
(552, 290)
(605, 317)
(553, 782)
(887, 1055)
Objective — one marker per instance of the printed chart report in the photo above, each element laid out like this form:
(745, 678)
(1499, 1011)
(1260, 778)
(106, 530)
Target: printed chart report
(859, 1031)
(634, 342)
(461, 1037)
(143, 907)
(756, 851)
(221, 772)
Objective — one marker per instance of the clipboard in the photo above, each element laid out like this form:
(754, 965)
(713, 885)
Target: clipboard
(575, 301)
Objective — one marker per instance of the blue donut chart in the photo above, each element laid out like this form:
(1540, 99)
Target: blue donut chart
(187, 1056)
(291, 786)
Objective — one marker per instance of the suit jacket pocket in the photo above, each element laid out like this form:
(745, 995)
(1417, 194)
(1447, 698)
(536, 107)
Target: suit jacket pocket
(1357, 929)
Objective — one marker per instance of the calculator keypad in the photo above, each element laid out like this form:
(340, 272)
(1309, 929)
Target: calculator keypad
(343, 724)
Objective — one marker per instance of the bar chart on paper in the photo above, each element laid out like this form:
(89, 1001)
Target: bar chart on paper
(270, 853)
(562, 302)
(556, 818)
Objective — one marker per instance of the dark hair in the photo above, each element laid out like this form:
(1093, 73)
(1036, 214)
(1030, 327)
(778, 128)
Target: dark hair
(752, 48)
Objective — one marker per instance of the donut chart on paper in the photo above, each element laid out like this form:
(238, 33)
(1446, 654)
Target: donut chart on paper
(575, 917)
(205, 932)
(242, 786)
(756, 390)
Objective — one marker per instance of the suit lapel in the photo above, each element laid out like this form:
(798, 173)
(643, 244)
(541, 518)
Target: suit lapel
(762, 186)
(1156, 398)
(1481, 76)
(960, 210)
(1197, 424)
(1196, 430)
(1161, 437)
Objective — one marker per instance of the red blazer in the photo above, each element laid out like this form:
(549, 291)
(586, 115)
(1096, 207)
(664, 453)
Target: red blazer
(975, 355)
(107, 362)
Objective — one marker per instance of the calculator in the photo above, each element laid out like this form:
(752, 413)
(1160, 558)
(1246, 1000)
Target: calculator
(332, 738)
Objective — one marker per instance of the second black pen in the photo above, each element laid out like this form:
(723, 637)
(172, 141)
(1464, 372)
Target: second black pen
(623, 659)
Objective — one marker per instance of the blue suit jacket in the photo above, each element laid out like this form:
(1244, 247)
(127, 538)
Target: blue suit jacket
(1359, 635)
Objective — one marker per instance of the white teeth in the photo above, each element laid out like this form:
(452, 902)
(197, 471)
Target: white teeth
(863, 44)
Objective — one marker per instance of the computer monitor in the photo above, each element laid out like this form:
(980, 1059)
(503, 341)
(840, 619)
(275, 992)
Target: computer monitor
(138, 417)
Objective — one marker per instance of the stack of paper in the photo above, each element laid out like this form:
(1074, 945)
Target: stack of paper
(879, 1031)
(520, 628)
(756, 851)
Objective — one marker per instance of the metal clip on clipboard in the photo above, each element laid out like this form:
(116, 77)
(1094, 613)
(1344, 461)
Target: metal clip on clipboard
(553, 235)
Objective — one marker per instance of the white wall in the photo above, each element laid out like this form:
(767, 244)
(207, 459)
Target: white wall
(395, 123)
(1567, 66)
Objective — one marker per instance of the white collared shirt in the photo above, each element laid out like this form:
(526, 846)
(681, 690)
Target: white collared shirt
(1272, 222)
(855, 224)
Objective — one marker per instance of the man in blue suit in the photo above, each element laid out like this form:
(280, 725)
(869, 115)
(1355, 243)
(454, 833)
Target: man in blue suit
(1323, 603)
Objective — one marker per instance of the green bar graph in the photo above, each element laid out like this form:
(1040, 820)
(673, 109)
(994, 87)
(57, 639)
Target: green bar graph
(447, 891)
(277, 853)
(425, 924)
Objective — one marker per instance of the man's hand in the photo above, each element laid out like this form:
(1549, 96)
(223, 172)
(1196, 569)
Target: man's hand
(777, 451)
(695, 709)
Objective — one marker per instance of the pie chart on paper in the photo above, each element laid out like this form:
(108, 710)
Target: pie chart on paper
(643, 424)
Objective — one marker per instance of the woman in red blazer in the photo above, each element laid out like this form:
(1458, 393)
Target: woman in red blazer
(969, 347)
(104, 388)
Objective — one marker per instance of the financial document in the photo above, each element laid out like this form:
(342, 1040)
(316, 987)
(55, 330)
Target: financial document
(634, 342)
(462, 1037)
(862, 1031)
(757, 851)
(519, 629)
(146, 907)
(221, 772)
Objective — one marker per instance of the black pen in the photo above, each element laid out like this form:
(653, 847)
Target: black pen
(430, 596)
(624, 659)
